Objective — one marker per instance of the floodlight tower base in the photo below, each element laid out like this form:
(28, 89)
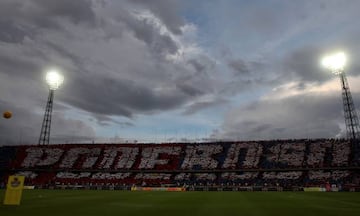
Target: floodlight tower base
(351, 119)
(44, 138)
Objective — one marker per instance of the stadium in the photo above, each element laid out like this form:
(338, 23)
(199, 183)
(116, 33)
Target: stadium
(194, 178)
(287, 165)
(246, 76)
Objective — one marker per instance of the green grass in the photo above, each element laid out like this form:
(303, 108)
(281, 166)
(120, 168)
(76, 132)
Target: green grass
(102, 203)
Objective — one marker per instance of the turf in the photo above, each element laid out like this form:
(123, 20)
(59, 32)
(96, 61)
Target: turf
(102, 203)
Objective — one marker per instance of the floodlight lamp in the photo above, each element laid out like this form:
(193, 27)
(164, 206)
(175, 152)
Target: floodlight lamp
(54, 79)
(335, 63)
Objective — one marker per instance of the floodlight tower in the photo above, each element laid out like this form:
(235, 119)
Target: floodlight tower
(336, 64)
(54, 80)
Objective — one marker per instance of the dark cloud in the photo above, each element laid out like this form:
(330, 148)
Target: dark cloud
(248, 75)
(304, 64)
(77, 11)
(248, 70)
(109, 94)
(16, 65)
(202, 64)
(190, 90)
(20, 19)
(104, 95)
(13, 22)
(301, 65)
(303, 116)
(11, 33)
(239, 66)
(167, 11)
(124, 59)
(105, 120)
(146, 30)
(197, 65)
(107, 74)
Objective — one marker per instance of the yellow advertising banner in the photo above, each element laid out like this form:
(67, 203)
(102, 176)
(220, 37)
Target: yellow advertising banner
(14, 189)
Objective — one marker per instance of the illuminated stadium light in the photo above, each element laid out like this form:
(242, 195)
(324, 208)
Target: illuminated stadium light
(54, 79)
(335, 62)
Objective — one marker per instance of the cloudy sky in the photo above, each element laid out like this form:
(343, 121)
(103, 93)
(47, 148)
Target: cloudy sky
(166, 70)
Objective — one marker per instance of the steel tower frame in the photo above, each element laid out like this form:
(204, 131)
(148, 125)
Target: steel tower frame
(351, 118)
(44, 138)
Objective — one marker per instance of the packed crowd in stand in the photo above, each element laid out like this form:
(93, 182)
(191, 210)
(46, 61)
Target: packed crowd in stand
(262, 163)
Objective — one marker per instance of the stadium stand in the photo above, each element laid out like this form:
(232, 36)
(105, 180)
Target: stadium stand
(234, 165)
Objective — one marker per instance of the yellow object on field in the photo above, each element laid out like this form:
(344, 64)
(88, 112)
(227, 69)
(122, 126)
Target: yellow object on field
(14, 189)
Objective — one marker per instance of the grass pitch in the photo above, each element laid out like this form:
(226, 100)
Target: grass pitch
(103, 203)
